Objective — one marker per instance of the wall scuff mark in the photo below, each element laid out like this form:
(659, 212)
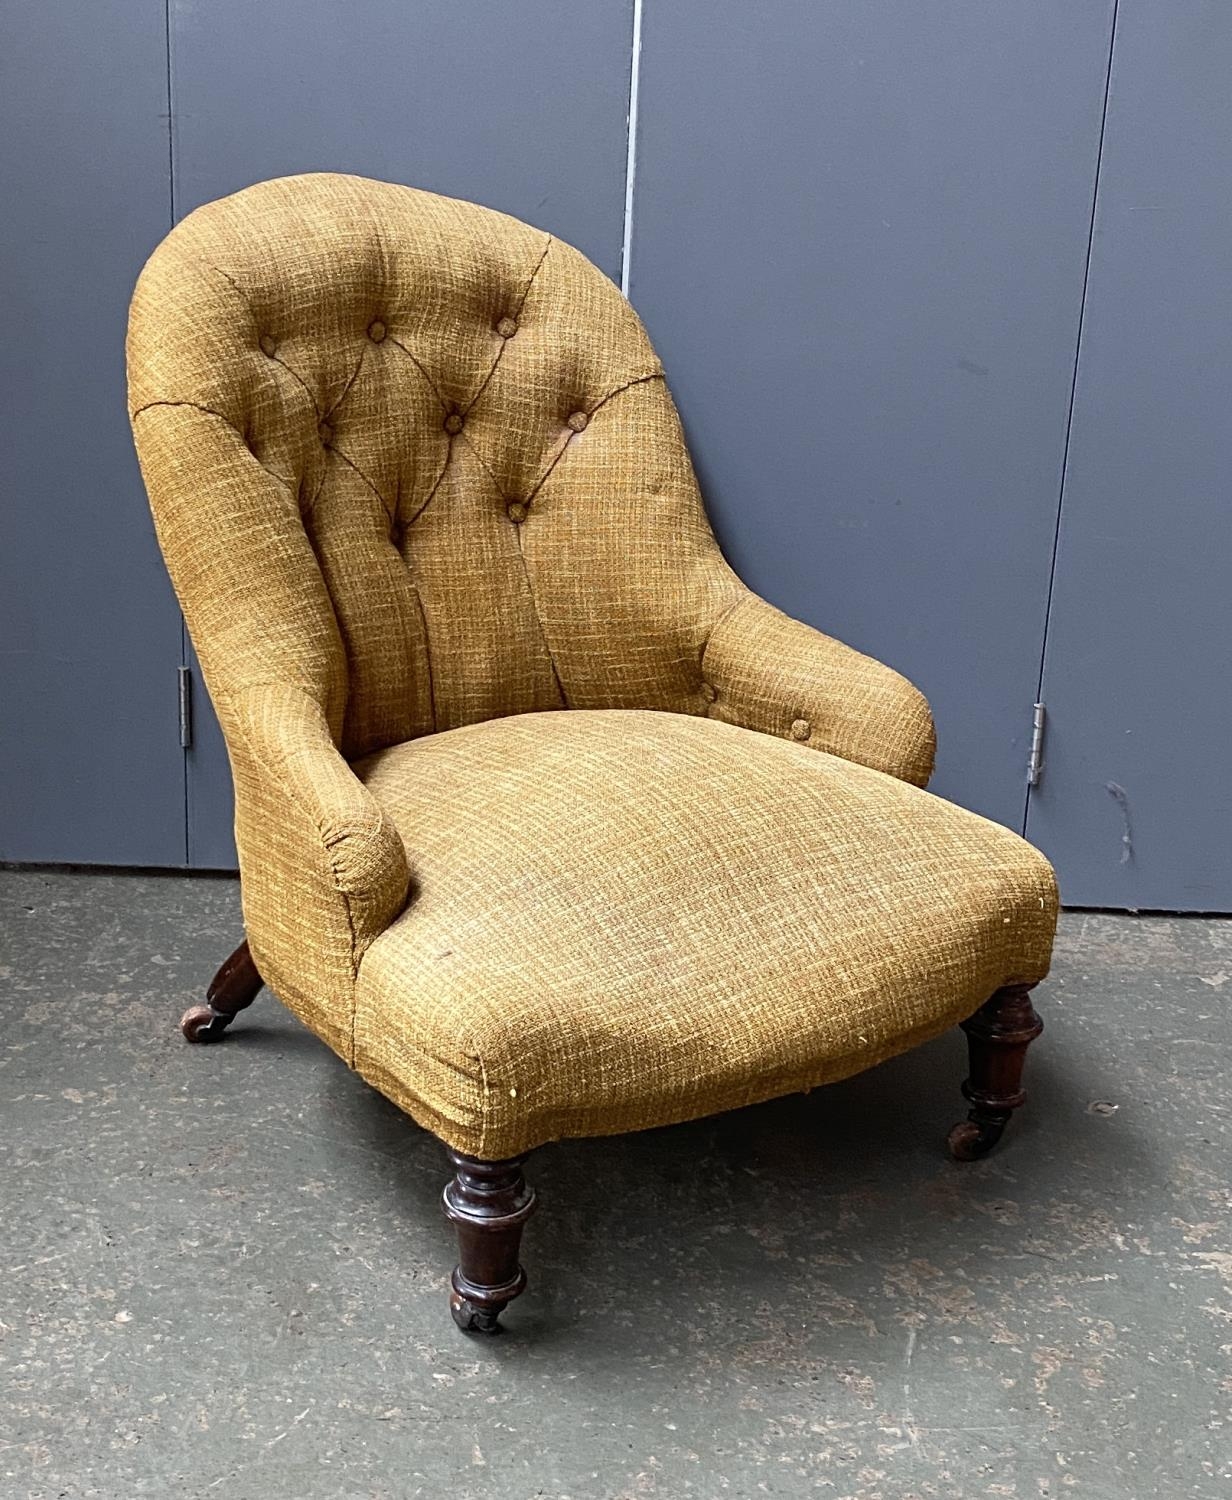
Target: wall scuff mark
(1121, 797)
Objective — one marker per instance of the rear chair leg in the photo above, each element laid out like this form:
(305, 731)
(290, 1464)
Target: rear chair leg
(487, 1202)
(231, 990)
(998, 1036)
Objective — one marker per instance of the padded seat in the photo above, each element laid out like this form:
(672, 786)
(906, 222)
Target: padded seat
(623, 918)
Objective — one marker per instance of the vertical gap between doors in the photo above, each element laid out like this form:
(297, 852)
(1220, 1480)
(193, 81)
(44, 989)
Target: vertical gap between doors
(1073, 388)
(635, 72)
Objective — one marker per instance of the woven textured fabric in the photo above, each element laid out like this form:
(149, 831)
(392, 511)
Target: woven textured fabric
(627, 918)
(415, 469)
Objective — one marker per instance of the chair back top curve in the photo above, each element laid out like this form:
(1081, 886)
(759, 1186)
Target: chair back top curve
(418, 459)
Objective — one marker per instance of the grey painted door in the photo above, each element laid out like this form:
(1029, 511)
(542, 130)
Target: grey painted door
(90, 758)
(522, 107)
(1135, 804)
(859, 240)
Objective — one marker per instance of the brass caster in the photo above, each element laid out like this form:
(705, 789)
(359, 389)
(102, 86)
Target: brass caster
(202, 1023)
(971, 1139)
(471, 1318)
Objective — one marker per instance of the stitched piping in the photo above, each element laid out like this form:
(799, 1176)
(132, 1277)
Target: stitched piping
(534, 602)
(563, 443)
(517, 312)
(256, 325)
(346, 389)
(196, 406)
(444, 405)
(602, 402)
(237, 289)
(210, 412)
(307, 389)
(436, 484)
(354, 467)
(483, 464)
(552, 462)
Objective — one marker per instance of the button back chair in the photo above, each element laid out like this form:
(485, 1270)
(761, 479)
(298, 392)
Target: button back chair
(547, 825)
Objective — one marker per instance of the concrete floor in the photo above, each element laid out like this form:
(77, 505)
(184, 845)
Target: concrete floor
(224, 1269)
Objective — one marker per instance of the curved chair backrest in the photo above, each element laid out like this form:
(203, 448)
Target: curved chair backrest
(418, 459)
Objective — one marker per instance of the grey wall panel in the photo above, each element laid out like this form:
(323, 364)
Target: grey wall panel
(520, 107)
(89, 749)
(859, 240)
(1138, 671)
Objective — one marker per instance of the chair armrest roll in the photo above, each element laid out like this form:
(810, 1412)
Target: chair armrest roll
(287, 737)
(776, 675)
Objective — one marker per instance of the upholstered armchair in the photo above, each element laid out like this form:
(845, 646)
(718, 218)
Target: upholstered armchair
(547, 825)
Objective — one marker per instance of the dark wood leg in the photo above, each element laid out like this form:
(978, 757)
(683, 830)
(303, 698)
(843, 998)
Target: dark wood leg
(231, 990)
(998, 1036)
(487, 1202)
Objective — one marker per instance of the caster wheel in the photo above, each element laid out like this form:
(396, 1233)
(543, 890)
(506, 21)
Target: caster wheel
(202, 1023)
(971, 1139)
(472, 1319)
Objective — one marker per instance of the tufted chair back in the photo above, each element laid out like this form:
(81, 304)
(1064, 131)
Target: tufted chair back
(418, 460)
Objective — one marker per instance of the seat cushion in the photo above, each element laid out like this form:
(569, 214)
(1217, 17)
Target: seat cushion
(621, 919)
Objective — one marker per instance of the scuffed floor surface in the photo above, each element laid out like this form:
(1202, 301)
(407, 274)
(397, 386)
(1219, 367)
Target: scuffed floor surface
(224, 1268)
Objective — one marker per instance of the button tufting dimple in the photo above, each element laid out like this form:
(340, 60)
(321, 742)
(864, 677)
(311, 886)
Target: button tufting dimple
(801, 729)
(709, 692)
(516, 511)
(453, 422)
(578, 421)
(507, 327)
(376, 331)
(269, 345)
(326, 433)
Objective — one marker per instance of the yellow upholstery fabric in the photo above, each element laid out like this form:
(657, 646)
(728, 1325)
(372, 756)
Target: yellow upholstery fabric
(414, 469)
(626, 918)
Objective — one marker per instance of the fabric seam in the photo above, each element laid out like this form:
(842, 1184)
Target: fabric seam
(227, 422)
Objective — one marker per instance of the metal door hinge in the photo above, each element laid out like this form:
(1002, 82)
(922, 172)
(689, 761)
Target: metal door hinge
(1035, 761)
(186, 725)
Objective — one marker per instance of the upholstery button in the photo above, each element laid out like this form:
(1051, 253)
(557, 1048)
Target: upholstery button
(801, 729)
(453, 422)
(507, 328)
(516, 511)
(269, 345)
(376, 331)
(327, 433)
(578, 421)
(709, 692)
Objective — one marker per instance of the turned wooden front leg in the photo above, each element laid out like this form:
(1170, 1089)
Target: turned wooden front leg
(487, 1202)
(998, 1036)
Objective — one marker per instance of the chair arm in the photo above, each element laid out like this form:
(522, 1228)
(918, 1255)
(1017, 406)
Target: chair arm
(287, 738)
(777, 675)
